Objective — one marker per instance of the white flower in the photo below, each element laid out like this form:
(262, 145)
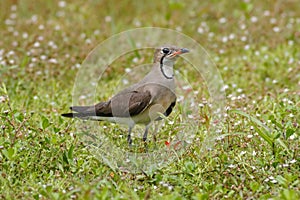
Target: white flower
(224, 39)
(62, 4)
(222, 20)
(231, 36)
(108, 18)
(273, 181)
(2, 99)
(200, 30)
(243, 38)
(231, 166)
(239, 90)
(36, 44)
(253, 19)
(293, 161)
(276, 29)
(273, 20)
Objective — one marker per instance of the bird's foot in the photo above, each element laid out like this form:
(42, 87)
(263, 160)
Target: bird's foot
(129, 140)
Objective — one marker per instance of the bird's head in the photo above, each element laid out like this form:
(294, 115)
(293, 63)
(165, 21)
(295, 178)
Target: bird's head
(168, 54)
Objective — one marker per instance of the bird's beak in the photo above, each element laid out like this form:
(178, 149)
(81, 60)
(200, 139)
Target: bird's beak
(181, 51)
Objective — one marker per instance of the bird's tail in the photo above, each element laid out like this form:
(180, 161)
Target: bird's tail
(82, 108)
(82, 112)
(78, 115)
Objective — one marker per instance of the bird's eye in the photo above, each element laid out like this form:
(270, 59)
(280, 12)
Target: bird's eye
(165, 50)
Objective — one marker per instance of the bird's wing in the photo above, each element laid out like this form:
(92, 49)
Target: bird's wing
(124, 104)
(128, 104)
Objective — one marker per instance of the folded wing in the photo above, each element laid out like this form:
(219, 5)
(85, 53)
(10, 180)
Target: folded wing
(122, 105)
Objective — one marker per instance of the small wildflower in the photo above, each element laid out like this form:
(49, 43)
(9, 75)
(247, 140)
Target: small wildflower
(293, 161)
(291, 42)
(41, 27)
(97, 32)
(273, 181)
(247, 47)
(186, 87)
(43, 57)
(285, 165)
(243, 26)
(231, 36)
(253, 19)
(273, 21)
(88, 41)
(2, 99)
(224, 39)
(239, 90)
(266, 180)
(127, 70)
(13, 8)
(52, 60)
(62, 4)
(36, 44)
(190, 116)
(225, 87)
(232, 166)
(276, 29)
(200, 30)
(243, 38)
(57, 28)
(222, 20)
(180, 98)
(107, 18)
(211, 34)
(267, 13)
(137, 23)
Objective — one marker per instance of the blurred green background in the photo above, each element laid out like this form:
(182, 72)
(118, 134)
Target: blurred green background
(254, 44)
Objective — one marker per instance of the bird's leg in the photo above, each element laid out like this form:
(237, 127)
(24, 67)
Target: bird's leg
(145, 137)
(129, 140)
(156, 127)
(146, 133)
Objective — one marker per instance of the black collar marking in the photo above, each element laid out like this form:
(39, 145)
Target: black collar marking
(161, 68)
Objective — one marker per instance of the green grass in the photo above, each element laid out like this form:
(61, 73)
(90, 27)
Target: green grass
(255, 45)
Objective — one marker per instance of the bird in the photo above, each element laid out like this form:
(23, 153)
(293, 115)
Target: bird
(142, 102)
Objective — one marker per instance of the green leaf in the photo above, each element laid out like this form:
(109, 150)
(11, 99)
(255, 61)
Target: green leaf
(19, 116)
(289, 195)
(289, 132)
(282, 181)
(70, 153)
(254, 186)
(45, 123)
(9, 153)
(264, 132)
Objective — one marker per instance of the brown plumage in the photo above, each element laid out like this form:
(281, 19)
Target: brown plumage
(142, 102)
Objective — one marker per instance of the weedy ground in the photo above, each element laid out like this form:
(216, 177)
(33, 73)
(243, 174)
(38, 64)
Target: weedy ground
(254, 44)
